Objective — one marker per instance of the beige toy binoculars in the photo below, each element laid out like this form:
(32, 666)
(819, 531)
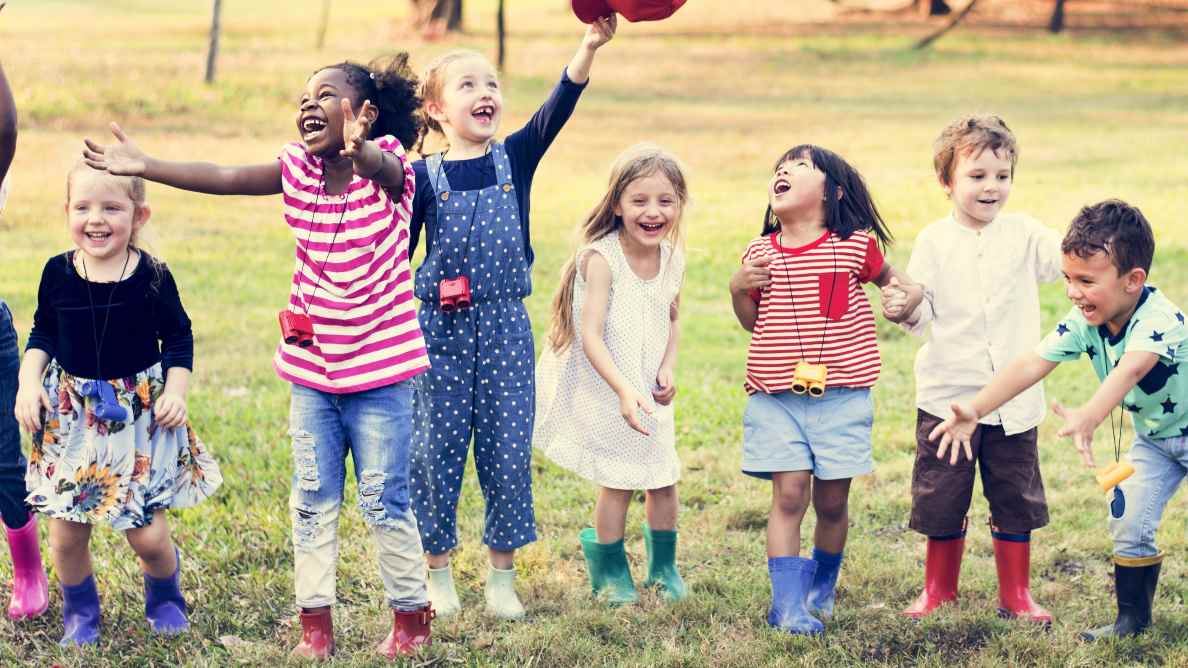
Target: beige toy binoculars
(1113, 474)
(809, 378)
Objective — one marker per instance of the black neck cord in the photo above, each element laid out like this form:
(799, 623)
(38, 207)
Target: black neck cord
(792, 297)
(309, 234)
(96, 336)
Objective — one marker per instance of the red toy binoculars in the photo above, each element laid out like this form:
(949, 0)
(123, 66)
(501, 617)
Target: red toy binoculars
(296, 328)
(453, 293)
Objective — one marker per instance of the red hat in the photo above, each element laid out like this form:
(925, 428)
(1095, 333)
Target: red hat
(590, 11)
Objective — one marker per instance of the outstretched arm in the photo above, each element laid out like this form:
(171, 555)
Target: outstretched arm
(600, 32)
(1080, 423)
(126, 158)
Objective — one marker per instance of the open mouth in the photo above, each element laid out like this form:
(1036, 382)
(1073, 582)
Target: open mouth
(651, 228)
(98, 237)
(781, 186)
(311, 128)
(988, 202)
(1087, 309)
(484, 114)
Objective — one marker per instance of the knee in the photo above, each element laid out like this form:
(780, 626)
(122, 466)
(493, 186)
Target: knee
(791, 500)
(832, 510)
(663, 494)
(69, 544)
(382, 500)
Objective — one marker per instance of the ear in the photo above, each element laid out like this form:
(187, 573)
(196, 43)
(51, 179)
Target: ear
(141, 216)
(370, 113)
(433, 110)
(945, 185)
(618, 210)
(1135, 279)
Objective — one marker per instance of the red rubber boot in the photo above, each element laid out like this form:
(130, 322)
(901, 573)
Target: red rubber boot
(317, 634)
(410, 632)
(1012, 556)
(942, 566)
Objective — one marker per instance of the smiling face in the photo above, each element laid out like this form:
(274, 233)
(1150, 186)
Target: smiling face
(796, 189)
(1104, 296)
(319, 112)
(979, 186)
(101, 215)
(470, 104)
(649, 208)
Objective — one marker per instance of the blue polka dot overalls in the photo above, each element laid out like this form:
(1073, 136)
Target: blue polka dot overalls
(482, 380)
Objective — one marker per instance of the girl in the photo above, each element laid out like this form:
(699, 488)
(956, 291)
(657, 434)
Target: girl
(614, 343)
(812, 361)
(30, 588)
(476, 273)
(351, 339)
(102, 391)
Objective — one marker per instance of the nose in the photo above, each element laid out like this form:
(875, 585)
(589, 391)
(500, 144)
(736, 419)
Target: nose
(306, 104)
(1072, 291)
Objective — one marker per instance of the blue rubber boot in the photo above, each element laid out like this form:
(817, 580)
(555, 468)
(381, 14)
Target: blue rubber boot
(80, 613)
(610, 575)
(164, 606)
(791, 578)
(823, 590)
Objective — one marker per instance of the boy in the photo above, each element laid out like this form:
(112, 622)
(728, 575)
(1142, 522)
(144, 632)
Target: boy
(1136, 340)
(981, 268)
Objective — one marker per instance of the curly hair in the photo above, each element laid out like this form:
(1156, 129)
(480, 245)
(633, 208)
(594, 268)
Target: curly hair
(1115, 228)
(391, 85)
(972, 134)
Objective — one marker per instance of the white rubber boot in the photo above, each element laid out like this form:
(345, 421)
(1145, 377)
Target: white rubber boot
(502, 600)
(442, 594)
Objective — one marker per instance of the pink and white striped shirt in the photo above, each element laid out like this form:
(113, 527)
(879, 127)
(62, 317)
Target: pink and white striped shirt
(354, 248)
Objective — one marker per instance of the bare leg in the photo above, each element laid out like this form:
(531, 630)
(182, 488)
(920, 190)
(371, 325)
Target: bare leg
(831, 499)
(661, 508)
(610, 514)
(154, 546)
(70, 544)
(789, 501)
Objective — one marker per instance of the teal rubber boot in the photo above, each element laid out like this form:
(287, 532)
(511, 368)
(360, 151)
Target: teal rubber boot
(610, 576)
(662, 568)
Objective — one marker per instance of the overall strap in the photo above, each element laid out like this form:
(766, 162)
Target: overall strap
(437, 177)
(503, 173)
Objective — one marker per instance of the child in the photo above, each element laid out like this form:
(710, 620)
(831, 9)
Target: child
(102, 391)
(30, 587)
(812, 361)
(472, 202)
(981, 267)
(613, 345)
(1137, 342)
(352, 342)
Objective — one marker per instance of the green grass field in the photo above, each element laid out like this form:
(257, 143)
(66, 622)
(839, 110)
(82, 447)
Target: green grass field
(728, 91)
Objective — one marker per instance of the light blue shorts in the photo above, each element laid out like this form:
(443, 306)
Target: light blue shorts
(828, 435)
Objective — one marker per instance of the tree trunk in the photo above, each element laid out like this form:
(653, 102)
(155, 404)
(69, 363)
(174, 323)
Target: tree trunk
(933, 7)
(434, 18)
(325, 21)
(952, 24)
(501, 34)
(212, 53)
(1056, 24)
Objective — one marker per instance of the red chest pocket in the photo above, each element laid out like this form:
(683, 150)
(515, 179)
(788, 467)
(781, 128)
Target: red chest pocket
(834, 294)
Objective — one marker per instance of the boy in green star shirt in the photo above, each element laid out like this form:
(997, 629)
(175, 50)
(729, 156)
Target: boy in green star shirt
(1137, 341)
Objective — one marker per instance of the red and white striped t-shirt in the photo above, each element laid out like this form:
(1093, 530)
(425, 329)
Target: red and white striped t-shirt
(366, 333)
(798, 319)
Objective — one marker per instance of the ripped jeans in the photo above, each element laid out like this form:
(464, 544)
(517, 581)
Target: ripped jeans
(375, 426)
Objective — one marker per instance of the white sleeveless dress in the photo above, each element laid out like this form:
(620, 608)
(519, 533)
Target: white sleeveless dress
(578, 424)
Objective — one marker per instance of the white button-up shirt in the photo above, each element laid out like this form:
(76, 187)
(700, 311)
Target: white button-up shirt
(982, 300)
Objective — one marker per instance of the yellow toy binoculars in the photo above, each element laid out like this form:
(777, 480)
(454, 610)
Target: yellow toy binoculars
(1113, 474)
(809, 378)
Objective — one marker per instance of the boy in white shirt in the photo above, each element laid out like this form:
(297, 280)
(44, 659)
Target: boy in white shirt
(980, 269)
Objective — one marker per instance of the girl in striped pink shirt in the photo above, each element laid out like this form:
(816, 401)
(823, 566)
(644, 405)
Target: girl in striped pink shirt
(351, 340)
(812, 361)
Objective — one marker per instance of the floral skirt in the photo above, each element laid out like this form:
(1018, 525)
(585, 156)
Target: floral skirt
(85, 469)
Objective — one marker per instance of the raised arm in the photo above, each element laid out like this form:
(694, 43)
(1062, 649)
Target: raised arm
(126, 158)
(598, 33)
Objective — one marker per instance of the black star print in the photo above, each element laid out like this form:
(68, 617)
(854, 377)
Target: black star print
(1133, 408)
(1061, 329)
(1180, 317)
(1169, 406)
(1156, 336)
(1184, 431)
(1092, 352)
(1156, 379)
(1171, 352)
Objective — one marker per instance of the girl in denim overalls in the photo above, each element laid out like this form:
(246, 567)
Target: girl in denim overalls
(472, 202)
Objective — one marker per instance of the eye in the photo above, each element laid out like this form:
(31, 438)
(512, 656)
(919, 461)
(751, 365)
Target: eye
(325, 94)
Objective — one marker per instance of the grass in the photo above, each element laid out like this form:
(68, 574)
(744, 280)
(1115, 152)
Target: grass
(1097, 116)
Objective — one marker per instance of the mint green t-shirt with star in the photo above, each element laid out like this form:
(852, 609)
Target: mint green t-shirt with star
(1158, 404)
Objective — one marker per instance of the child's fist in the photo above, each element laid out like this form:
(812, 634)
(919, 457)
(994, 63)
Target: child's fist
(169, 411)
(30, 401)
(752, 276)
(601, 31)
(665, 387)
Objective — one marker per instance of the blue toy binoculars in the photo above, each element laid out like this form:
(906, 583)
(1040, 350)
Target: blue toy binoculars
(105, 405)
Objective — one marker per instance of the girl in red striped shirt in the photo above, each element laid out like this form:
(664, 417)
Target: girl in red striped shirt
(812, 361)
(351, 340)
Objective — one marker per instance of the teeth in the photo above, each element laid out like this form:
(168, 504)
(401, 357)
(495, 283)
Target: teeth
(312, 125)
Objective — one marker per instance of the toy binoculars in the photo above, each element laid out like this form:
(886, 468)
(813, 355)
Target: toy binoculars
(105, 406)
(809, 378)
(296, 328)
(453, 293)
(1113, 474)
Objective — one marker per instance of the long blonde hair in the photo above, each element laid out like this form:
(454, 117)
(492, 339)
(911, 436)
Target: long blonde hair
(637, 162)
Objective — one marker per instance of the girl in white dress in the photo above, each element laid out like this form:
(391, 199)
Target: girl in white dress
(605, 383)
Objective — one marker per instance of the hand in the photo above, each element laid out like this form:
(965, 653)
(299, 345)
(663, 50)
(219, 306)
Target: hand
(356, 130)
(1080, 425)
(894, 298)
(123, 159)
(30, 402)
(630, 404)
(600, 32)
(666, 387)
(957, 430)
(169, 411)
(753, 275)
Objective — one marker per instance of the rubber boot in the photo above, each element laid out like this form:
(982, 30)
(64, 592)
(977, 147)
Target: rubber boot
(662, 568)
(791, 578)
(1012, 556)
(80, 613)
(942, 566)
(443, 596)
(823, 591)
(610, 576)
(1134, 582)
(30, 587)
(502, 600)
(410, 631)
(317, 634)
(164, 605)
